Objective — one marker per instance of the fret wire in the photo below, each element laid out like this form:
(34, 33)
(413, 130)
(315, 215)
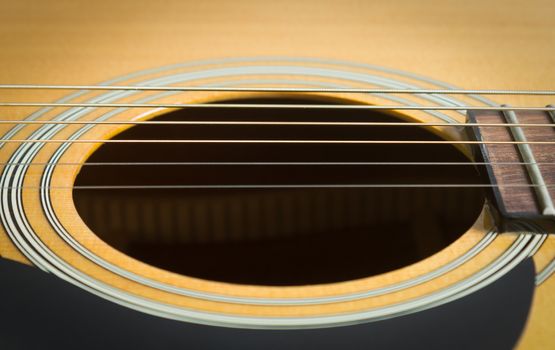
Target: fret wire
(551, 113)
(394, 142)
(276, 106)
(280, 89)
(278, 123)
(263, 186)
(269, 163)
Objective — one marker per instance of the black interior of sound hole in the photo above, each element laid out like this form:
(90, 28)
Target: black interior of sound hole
(278, 236)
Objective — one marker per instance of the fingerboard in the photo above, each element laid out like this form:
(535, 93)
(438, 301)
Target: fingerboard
(534, 167)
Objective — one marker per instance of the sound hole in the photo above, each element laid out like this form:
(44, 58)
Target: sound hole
(278, 236)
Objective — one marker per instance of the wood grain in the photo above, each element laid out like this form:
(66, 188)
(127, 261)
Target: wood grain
(515, 202)
(471, 44)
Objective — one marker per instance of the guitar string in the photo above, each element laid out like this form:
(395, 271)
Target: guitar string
(276, 186)
(278, 106)
(282, 106)
(272, 123)
(263, 163)
(280, 185)
(279, 141)
(280, 89)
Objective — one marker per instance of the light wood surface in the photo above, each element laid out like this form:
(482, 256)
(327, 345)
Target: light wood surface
(470, 44)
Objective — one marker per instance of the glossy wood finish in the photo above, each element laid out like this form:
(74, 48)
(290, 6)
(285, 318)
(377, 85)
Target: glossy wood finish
(474, 44)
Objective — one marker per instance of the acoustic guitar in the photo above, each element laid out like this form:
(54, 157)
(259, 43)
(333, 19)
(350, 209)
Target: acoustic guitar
(287, 174)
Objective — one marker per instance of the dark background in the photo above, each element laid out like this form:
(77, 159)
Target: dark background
(40, 311)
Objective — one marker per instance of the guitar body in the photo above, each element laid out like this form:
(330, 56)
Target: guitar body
(347, 44)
